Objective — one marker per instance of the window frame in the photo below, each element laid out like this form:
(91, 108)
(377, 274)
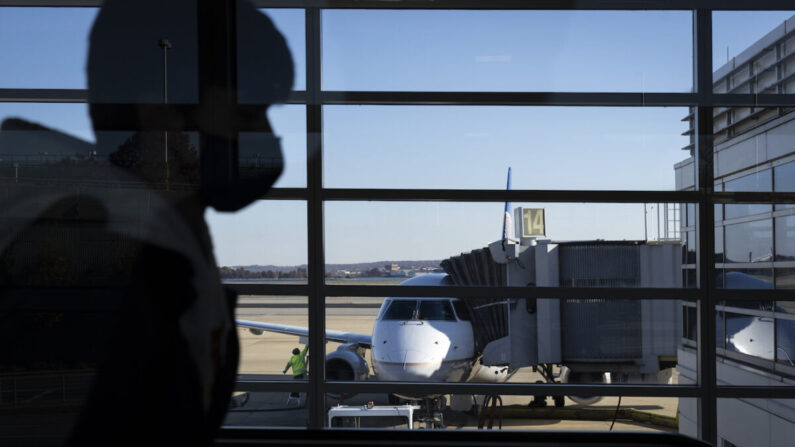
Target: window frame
(702, 99)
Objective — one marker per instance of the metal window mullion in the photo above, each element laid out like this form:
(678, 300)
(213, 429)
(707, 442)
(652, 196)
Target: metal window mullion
(704, 120)
(501, 293)
(520, 98)
(508, 388)
(514, 195)
(57, 95)
(514, 389)
(663, 5)
(316, 398)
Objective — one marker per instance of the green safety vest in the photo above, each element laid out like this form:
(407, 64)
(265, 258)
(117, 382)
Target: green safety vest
(298, 363)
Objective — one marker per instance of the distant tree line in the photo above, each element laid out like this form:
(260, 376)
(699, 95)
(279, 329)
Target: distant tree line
(242, 273)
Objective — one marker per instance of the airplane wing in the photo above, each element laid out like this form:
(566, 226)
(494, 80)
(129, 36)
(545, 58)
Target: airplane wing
(362, 340)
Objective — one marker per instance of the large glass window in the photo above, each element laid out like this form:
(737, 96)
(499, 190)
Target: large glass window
(785, 238)
(395, 145)
(502, 51)
(749, 242)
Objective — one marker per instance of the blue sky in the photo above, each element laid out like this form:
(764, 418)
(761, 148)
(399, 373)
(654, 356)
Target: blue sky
(440, 146)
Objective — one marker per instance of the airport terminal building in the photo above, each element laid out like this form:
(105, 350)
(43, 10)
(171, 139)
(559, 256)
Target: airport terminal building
(754, 151)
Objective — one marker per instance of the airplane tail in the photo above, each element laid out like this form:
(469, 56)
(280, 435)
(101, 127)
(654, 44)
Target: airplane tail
(507, 226)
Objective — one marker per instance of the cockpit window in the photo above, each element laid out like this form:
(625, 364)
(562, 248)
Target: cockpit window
(401, 310)
(461, 310)
(436, 310)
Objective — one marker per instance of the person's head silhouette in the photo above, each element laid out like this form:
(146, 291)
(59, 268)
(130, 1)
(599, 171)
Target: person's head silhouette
(151, 52)
(184, 354)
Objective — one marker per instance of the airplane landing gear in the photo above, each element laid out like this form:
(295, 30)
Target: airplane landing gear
(434, 408)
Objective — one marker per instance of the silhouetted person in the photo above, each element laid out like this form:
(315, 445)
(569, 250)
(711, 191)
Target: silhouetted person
(107, 274)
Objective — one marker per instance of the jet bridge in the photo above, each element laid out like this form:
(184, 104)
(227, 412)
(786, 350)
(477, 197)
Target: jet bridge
(633, 340)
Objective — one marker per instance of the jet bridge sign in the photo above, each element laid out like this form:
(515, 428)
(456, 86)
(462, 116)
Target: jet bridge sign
(531, 222)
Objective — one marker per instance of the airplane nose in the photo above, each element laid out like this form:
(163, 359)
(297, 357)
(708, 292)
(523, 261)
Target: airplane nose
(411, 357)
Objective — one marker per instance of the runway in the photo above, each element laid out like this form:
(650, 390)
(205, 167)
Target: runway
(263, 357)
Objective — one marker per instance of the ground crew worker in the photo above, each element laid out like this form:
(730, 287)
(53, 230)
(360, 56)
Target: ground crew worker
(298, 364)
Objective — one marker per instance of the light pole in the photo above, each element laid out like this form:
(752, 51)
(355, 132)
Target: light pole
(165, 45)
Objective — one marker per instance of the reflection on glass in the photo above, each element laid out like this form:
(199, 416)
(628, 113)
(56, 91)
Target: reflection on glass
(750, 335)
(784, 178)
(760, 181)
(761, 278)
(719, 256)
(785, 238)
(785, 278)
(785, 340)
(757, 182)
(754, 422)
(692, 217)
(691, 247)
(749, 242)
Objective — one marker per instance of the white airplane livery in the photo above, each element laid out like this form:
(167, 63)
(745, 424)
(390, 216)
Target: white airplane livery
(414, 339)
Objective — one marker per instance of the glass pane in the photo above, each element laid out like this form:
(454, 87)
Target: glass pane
(70, 119)
(759, 181)
(785, 238)
(750, 335)
(749, 278)
(255, 40)
(750, 50)
(44, 47)
(595, 340)
(785, 278)
(785, 177)
(526, 413)
(436, 310)
(263, 352)
(262, 243)
(749, 242)
(719, 256)
(507, 50)
(259, 409)
(137, 56)
(289, 124)
(691, 248)
(405, 240)
(401, 310)
(757, 422)
(784, 181)
(785, 334)
(546, 147)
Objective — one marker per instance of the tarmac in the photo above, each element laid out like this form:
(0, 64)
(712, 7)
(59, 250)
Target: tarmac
(263, 357)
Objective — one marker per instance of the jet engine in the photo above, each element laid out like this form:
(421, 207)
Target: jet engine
(347, 363)
(569, 376)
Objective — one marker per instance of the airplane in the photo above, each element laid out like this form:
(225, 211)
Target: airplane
(414, 339)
